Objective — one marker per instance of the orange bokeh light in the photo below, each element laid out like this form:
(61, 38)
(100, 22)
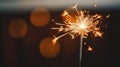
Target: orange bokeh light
(40, 17)
(48, 48)
(17, 28)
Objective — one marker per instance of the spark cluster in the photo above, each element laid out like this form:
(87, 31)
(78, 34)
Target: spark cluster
(81, 24)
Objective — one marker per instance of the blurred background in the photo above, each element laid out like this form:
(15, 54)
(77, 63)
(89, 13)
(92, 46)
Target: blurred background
(26, 34)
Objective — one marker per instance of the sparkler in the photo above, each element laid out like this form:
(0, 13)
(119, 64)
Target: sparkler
(81, 25)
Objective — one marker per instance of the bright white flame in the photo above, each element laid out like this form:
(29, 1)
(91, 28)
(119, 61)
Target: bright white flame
(82, 26)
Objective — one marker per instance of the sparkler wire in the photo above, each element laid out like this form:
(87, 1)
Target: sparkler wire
(81, 46)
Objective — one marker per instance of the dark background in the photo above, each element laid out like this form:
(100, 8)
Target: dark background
(24, 52)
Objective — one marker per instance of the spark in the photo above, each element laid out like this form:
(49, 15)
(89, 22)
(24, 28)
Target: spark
(53, 20)
(56, 38)
(90, 48)
(85, 43)
(84, 24)
(108, 16)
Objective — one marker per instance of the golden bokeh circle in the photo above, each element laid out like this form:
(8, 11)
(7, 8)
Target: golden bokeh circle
(48, 48)
(40, 17)
(17, 28)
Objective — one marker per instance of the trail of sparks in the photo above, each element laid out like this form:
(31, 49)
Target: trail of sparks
(81, 24)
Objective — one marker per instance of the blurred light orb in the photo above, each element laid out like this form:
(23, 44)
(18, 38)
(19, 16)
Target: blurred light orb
(48, 49)
(17, 28)
(40, 17)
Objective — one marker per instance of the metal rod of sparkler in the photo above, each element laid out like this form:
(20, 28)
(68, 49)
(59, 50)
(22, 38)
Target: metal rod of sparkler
(81, 45)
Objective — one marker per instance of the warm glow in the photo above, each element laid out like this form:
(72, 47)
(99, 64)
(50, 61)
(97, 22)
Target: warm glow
(90, 48)
(82, 26)
(85, 43)
(17, 28)
(54, 41)
(65, 13)
(79, 23)
(40, 17)
(98, 34)
(49, 48)
(84, 23)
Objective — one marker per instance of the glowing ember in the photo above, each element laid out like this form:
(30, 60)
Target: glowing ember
(85, 43)
(90, 48)
(54, 41)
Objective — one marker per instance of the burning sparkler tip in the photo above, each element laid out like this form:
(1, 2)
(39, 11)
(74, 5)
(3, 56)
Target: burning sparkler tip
(54, 41)
(82, 26)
